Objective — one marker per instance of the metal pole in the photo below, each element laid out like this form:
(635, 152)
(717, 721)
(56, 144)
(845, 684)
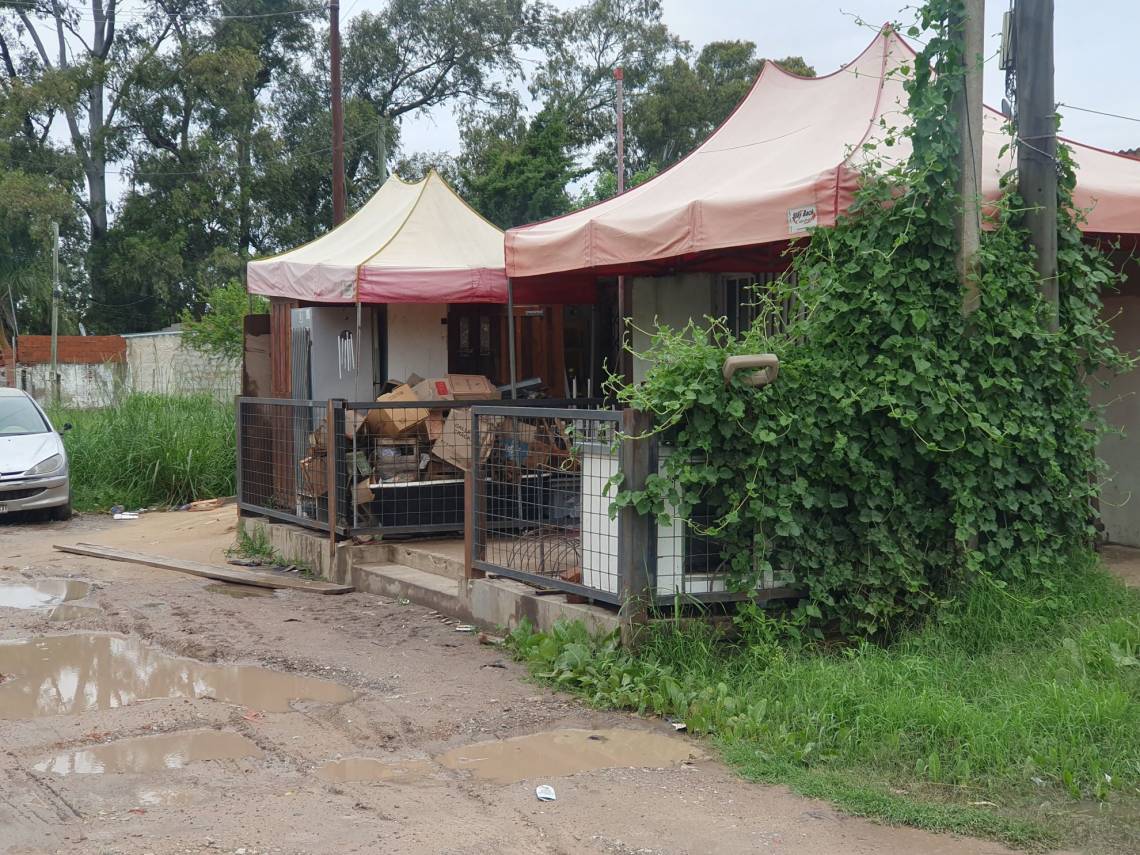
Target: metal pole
(55, 314)
(337, 114)
(1037, 138)
(624, 297)
(968, 108)
(511, 336)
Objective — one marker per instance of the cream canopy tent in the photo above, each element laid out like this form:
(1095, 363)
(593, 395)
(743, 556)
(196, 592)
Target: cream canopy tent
(409, 243)
(786, 159)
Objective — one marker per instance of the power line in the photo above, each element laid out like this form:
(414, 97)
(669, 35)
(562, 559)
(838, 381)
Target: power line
(206, 170)
(83, 14)
(1098, 112)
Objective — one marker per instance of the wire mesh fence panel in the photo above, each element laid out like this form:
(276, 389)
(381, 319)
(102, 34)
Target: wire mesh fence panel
(690, 558)
(283, 469)
(406, 464)
(544, 479)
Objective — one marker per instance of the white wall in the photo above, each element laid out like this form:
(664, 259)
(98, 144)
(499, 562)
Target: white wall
(159, 362)
(83, 385)
(669, 301)
(417, 340)
(1120, 495)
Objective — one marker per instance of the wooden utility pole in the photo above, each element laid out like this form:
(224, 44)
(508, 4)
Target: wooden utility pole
(968, 109)
(337, 114)
(1037, 137)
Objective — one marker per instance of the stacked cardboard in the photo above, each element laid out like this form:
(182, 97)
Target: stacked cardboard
(404, 443)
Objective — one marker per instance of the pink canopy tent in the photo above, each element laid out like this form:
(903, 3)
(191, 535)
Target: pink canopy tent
(409, 243)
(785, 160)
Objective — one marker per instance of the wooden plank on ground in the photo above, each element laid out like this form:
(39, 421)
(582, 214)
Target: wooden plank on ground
(209, 571)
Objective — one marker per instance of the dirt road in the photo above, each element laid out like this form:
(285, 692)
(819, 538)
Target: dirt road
(114, 743)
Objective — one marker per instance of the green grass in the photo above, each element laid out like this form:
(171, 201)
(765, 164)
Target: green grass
(1003, 702)
(150, 451)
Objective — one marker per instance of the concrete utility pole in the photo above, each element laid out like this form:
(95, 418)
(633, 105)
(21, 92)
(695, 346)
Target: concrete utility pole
(1037, 137)
(55, 314)
(968, 108)
(337, 114)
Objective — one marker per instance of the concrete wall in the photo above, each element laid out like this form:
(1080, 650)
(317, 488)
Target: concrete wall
(80, 385)
(1120, 495)
(417, 340)
(160, 362)
(93, 376)
(669, 301)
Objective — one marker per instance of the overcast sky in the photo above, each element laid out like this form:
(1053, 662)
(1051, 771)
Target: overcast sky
(1094, 43)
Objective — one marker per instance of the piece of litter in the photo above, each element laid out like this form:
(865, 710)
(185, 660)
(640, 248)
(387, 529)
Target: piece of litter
(981, 803)
(545, 793)
(125, 515)
(678, 725)
(464, 627)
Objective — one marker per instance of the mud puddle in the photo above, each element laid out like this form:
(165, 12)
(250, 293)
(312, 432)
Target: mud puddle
(152, 753)
(239, 592)
(373, 769)
(73, 611)
(550, 754)
(41, 593)
(70, 674)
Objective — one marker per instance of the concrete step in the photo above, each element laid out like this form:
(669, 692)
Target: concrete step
(400, 581)
(441, 557)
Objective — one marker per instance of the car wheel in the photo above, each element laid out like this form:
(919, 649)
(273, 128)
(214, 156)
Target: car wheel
(61, 513)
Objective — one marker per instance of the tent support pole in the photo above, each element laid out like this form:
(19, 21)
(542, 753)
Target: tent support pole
(511, 336)
(359, 326)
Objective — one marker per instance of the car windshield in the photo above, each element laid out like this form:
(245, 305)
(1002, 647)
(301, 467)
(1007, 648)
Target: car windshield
(19, 415)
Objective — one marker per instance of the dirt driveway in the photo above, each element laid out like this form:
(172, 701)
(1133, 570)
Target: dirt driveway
(114, 744)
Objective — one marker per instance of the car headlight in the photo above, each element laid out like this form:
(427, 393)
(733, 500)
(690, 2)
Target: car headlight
(48, 466)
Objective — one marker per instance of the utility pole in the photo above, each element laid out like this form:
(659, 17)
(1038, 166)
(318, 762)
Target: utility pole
(968, 109)
(337, 114)
(1037, 137)
(624, 295)
(55, 314)
(381, 152)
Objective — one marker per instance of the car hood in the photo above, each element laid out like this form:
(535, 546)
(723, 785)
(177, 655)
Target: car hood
(20, 453)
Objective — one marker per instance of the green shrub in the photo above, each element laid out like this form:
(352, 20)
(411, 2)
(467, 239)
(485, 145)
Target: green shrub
(905, 448)
(150, 450)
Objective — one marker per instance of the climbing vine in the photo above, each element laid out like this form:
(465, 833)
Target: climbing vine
(905, 449)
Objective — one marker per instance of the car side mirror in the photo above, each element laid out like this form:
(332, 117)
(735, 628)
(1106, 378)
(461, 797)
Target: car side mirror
(66, 427)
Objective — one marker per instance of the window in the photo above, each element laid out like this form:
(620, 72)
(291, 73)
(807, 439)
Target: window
(18, 415)
(749, 298)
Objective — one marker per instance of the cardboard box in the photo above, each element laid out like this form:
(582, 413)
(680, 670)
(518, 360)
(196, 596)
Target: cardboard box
(314, 476)
(457, 387)
(454, 445)
(472, 387)
(362, 493)
(354, 420)
(384, 421)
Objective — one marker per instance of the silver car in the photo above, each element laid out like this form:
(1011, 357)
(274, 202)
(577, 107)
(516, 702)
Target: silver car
(33, 462)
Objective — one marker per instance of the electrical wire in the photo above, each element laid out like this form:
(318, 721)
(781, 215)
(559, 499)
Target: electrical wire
(128, 14)
(1098, 112)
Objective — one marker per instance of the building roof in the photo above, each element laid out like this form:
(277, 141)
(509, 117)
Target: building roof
(788, 158)
(409, 243)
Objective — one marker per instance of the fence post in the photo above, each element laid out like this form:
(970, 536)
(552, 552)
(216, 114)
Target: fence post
(237, 447)
(634, 576)
(330, 477)
(472, 547)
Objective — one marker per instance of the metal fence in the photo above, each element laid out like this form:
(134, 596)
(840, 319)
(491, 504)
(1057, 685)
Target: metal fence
(543, 479)
(543, 512)
(283, 459)
(395, 467)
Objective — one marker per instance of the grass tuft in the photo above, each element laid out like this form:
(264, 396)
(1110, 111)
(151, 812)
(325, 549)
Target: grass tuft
(150, 450)
(1002, 701)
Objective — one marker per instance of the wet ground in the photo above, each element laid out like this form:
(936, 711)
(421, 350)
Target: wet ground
(154, 712)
